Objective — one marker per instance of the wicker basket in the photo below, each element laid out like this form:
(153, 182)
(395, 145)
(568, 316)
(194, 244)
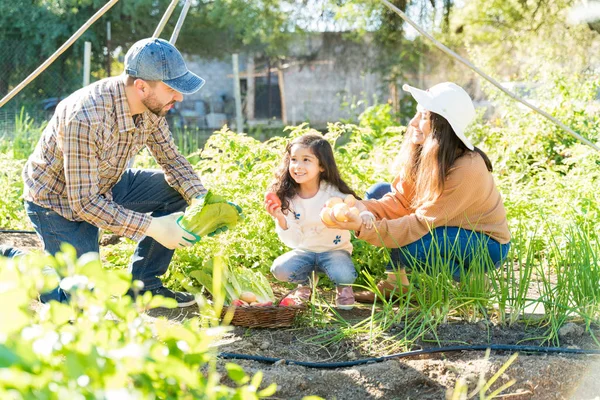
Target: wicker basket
(264, 317)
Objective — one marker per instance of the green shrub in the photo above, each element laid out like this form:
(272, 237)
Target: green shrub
(99, 346)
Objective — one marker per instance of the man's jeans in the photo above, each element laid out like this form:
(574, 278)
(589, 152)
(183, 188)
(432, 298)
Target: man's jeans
(143, 191)
(10, 252)
(451, 248)
(297, 266)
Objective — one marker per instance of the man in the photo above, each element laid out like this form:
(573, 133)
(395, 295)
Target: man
(77, 180)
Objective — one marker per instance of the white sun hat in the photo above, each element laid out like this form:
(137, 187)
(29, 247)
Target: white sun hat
(451, 102)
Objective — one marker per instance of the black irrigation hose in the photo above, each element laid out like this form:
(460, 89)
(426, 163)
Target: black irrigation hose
(344, 364)
(15, 231)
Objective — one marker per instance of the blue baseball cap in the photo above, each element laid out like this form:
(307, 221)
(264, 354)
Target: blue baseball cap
(155, 59)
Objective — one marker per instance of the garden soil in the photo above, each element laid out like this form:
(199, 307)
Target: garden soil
(431, 376)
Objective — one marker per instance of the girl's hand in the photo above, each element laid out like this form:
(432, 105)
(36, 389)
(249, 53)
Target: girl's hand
(367, 218)
(272, 203)
(274, 209)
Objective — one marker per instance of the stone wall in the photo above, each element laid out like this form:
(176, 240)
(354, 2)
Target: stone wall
(323, 72)
(328, 74)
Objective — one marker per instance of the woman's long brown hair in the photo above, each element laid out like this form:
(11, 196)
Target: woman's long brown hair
(286, 187)
(427, 166)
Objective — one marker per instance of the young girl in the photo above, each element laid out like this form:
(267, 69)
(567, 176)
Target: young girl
(444, 193)
(308, 177)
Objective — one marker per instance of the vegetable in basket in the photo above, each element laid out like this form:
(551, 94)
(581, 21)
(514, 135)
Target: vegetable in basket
(242, 286)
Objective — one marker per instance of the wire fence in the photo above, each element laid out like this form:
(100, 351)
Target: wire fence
(39, 98)
(7, 123)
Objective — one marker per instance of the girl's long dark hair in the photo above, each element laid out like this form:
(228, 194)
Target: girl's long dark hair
(427, 166)
(286, 187)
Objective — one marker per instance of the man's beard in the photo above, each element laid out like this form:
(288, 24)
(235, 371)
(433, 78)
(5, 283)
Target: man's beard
(155, 107)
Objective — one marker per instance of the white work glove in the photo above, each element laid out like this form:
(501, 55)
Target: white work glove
(167, 232)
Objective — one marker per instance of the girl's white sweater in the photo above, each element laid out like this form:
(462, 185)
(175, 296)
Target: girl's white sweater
(306, 231)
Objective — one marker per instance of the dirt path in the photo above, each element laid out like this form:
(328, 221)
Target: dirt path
(432, 376)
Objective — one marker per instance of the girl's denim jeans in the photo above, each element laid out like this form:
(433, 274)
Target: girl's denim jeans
(297, 266)
(447, 247)
(143, 191)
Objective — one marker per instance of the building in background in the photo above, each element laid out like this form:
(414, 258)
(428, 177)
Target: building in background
(320, 79)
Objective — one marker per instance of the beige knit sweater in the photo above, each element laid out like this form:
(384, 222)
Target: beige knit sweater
(470, 200)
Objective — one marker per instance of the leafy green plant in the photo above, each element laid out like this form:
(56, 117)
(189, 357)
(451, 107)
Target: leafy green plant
(550, 191)
(12, 213)
(98, 346)
(377, 117)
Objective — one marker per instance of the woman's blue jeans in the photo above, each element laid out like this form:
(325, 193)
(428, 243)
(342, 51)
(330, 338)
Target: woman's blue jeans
(144, 191)
(451, 248)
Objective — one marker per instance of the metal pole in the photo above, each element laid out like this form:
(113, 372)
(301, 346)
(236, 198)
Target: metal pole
(487, 77)
(179, 24)
(165, 18)
(87, 55)
(239, 119)
(57, 53)
(250, 92)
(108, 56)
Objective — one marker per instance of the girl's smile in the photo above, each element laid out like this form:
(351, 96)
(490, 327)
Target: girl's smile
(304, 168)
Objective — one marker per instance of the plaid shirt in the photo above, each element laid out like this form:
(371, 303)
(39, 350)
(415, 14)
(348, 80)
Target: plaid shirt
(85, 149)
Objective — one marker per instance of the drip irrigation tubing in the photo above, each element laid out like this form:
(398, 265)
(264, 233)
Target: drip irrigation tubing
(15, 231)
(345, 364)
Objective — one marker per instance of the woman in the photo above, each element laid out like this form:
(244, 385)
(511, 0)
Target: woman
(443, 202)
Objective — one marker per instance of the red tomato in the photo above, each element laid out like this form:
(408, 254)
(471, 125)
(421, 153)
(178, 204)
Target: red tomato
(287, 302)
(272, 197)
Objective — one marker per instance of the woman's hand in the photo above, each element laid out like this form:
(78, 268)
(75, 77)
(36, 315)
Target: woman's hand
(353, 223)
(361, 207)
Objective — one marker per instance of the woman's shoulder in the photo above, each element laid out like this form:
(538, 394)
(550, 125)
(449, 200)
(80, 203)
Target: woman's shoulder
(470, 163)
(470, 158)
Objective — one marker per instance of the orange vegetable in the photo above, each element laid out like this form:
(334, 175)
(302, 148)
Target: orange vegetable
(326, 217)
(350, 200)
(339, 212)
(333, 201)
(354, 212)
